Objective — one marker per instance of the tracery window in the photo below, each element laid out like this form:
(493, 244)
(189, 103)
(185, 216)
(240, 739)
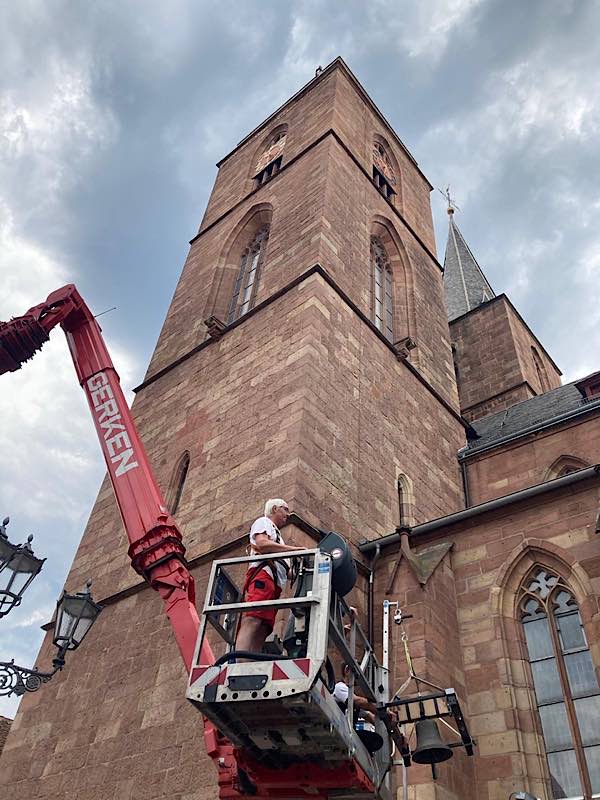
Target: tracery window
(246, 284)
(383, 315)
(383, 172)
(269, 163)
(564, 465)
(565, 683)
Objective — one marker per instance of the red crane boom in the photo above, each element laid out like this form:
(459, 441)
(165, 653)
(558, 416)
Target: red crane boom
(155, 542)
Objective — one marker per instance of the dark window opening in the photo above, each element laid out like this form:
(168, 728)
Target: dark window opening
(382, 184)
(269, 171)
(178, 482)
(401, 503)
(455, 363)
(567, 471)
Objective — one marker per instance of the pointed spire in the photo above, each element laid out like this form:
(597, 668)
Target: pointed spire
(465, 285)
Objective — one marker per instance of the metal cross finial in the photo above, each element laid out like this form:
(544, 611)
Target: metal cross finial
(451, 204)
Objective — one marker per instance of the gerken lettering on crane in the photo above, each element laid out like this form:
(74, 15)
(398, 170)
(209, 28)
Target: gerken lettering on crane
(109, 422)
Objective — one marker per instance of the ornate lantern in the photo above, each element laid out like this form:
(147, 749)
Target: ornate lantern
(18, 567)
(75, 615)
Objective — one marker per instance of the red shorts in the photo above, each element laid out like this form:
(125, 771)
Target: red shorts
(261, 587)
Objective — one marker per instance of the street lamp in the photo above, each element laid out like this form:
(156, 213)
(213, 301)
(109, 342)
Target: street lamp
(75, 615)
(18, 567)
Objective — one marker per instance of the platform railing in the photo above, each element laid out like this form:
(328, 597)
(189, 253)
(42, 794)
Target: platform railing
(343, 631)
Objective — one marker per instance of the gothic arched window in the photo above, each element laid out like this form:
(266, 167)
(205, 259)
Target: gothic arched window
(405, 499)
(269, 162)
(177, 482)
(565, 683)
(383, 172)
(246, 284)
(564, 465)
(383, 312)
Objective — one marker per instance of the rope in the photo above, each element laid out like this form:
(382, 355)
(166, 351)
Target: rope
(409, 664)
(407, 653)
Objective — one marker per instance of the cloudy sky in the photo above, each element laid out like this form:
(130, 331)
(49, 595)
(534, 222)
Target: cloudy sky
(113, 114)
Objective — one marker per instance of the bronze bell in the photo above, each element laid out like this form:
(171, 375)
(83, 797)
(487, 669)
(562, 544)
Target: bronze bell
(430, 749)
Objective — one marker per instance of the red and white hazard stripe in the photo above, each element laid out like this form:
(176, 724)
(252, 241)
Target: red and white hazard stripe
(291, 669)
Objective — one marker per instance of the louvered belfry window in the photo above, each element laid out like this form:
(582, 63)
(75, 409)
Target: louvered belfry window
(246, 283)
(565, 683)
(383, 315)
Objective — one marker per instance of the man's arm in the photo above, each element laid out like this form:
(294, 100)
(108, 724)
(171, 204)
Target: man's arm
(364, 705)
(263, 545)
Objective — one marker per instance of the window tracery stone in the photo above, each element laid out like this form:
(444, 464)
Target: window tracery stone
(564, 682)
(384, 176)
(383, 313)
(246, 285)
(269, 163)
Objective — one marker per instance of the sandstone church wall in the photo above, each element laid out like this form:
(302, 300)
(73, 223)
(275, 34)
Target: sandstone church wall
(465, 629)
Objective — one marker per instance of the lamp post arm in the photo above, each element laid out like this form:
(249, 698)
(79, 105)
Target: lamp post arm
(18, 680)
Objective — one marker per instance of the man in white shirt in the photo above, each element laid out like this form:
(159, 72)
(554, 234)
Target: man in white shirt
(341, 693)
(364, 711)
(265, 580)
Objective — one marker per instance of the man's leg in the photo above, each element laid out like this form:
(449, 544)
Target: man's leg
(255, 626)
(252, 634)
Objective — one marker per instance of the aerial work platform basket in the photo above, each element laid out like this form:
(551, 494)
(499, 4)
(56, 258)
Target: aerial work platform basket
(277, 707)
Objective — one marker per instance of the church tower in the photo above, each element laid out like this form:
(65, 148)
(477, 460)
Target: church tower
(306, 355)
(497, 358)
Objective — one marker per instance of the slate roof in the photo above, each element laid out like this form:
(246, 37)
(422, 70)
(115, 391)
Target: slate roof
(465, 285)
(565, 400)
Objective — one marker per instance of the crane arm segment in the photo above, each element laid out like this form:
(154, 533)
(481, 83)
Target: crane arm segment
(155, 543)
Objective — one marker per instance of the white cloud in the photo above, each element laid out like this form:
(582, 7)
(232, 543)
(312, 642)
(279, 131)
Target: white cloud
(51, 465)
(48, 130)
(37, 617)
(420, 30)
(536, 104)
(433, 25)
(535, 97)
